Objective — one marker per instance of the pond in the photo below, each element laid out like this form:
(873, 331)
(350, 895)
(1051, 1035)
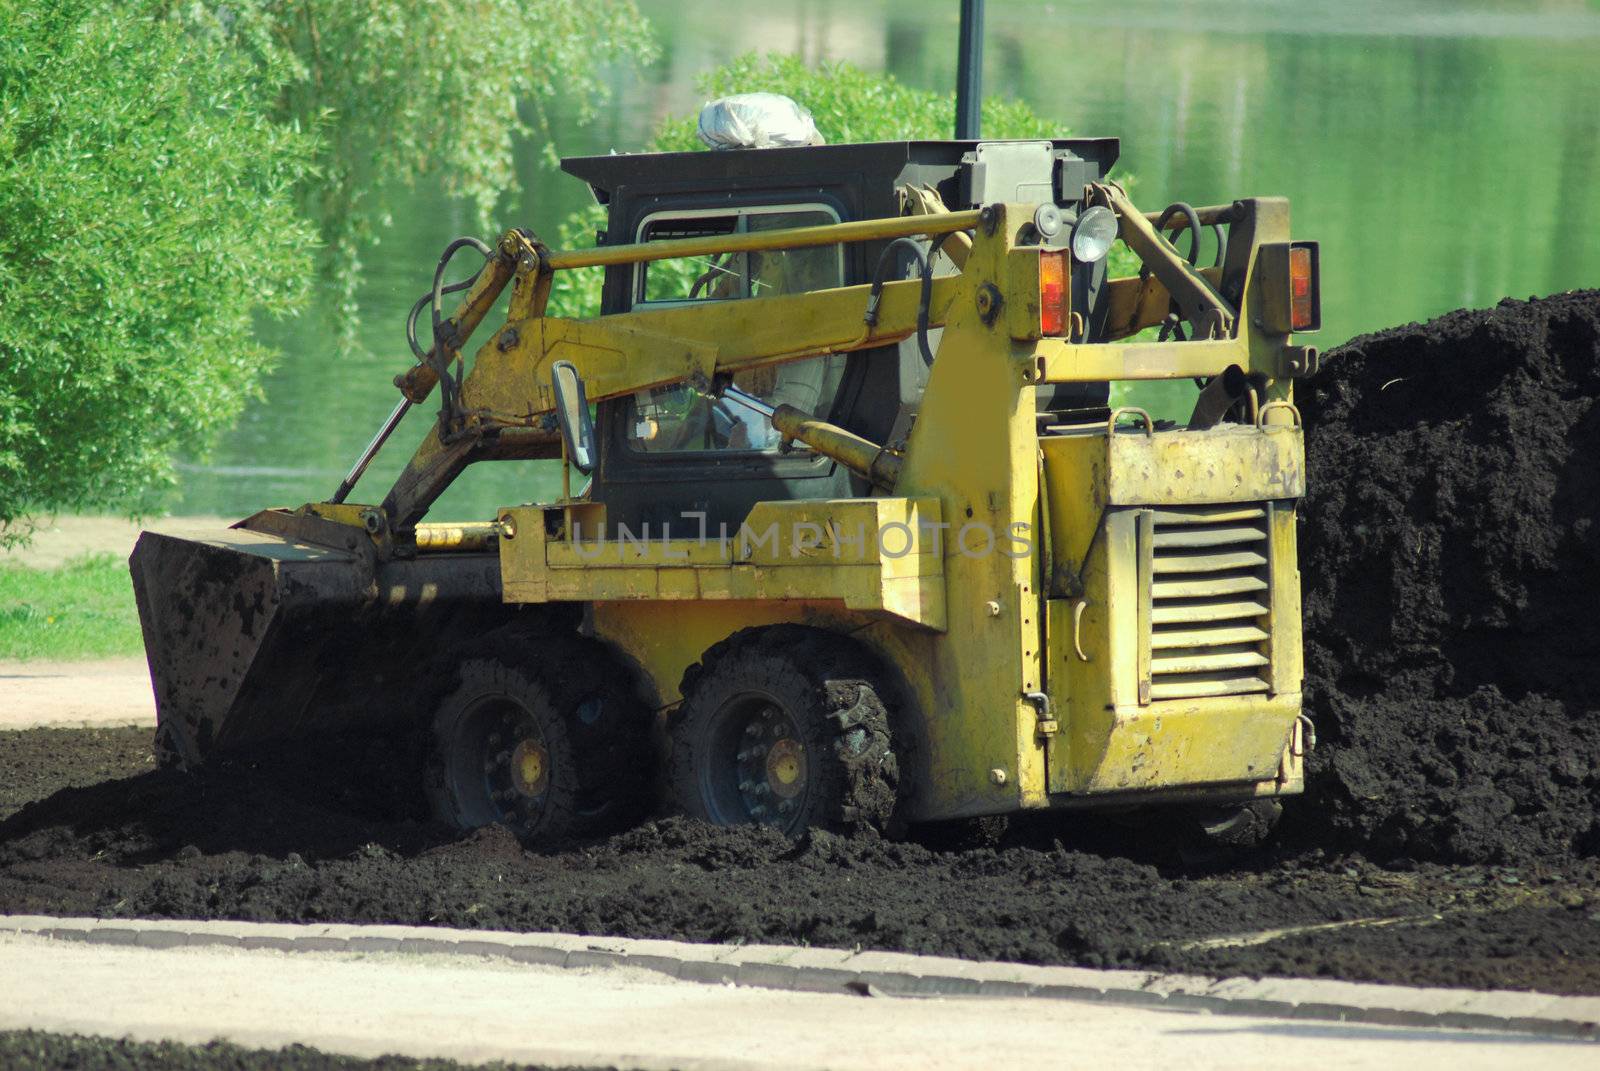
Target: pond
(1445, 155)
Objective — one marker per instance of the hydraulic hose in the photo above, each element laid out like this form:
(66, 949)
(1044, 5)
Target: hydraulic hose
(443, 333)
(1187, 211)
(925, 298)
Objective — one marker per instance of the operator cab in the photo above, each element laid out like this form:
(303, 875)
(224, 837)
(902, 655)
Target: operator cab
(670, 454)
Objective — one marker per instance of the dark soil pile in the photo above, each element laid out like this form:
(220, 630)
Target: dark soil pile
(35, 763)
(1451, 564)
(289, 842)
(32, 1050)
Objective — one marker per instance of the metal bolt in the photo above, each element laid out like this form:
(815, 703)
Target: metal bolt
(785, 806)
(989, 302)
(504, 756)
(494, 739)
(758, 811)
(993, 607)
(747, 786)
(753, 729)
(997, 775)
(749, 753)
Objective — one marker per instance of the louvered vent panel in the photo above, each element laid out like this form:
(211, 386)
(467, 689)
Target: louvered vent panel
(1209, 602)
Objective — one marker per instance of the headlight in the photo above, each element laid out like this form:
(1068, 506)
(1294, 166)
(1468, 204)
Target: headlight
(1093, 234)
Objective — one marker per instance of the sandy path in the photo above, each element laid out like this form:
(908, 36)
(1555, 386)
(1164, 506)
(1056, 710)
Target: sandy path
(97, 692)
(104, 692)
(473, 1009)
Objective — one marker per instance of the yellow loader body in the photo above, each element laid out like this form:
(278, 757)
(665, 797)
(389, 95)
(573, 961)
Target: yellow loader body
(1071, 607)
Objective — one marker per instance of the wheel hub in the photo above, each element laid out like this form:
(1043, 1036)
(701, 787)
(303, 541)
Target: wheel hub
(786, 768)
(530, 768)
(770, 766)
(516, 766)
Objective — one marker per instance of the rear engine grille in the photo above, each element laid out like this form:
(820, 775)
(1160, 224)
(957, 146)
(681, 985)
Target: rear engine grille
(1207, 607)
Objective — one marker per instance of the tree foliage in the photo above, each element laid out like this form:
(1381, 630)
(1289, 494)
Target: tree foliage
(401, 89)
(147, 214)
(848, 104)
(170, 168)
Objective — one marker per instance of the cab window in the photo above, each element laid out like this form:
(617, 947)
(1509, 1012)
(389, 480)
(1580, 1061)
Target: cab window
(679, 419)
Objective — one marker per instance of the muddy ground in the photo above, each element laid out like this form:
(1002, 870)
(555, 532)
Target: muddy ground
(263, 843)
(31, 1050)
(1450, 561)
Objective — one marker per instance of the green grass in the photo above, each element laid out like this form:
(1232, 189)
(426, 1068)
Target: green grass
(83, 609)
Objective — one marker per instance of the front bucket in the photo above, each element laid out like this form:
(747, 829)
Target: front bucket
(251, 636)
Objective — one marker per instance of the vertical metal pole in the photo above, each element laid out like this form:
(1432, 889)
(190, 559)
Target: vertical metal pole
(969, 72)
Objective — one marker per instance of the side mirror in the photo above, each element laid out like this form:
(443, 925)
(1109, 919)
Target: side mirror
(572, 413)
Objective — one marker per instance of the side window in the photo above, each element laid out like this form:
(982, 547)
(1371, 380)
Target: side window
(678, 419)
(689, 278)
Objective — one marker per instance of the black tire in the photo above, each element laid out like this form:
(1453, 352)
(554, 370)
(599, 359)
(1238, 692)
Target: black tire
(540, 734)
(1238, 828)
(786, 727)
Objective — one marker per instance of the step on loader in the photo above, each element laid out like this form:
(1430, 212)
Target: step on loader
(849, 513)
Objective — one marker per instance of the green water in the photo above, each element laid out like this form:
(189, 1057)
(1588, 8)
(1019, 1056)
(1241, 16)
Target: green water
(1444, 155)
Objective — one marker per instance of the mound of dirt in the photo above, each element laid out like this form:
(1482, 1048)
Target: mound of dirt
(34, 1050)
(1451, 565)
(289, 842)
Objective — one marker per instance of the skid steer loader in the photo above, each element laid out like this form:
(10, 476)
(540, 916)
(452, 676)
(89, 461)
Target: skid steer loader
(848, 513)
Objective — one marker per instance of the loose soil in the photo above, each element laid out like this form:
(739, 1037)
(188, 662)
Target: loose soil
(283, 840)
(32, 1050)
(1451, 565)
(1450, 559)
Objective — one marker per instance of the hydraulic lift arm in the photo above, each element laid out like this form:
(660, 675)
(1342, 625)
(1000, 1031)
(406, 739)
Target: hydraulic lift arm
(505, 403)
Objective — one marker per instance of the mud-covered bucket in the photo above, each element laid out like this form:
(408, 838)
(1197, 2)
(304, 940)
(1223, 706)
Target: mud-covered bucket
(253, 636)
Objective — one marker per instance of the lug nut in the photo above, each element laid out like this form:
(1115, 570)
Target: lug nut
(749, 753)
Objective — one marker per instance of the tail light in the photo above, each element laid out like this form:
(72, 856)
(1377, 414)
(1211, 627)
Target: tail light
(1290, 293)
(1055, 293)
(1303, 311)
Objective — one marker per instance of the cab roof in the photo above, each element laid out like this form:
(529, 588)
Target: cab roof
(753, 168)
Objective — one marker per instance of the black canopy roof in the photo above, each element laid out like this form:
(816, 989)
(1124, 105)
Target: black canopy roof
(750, 167)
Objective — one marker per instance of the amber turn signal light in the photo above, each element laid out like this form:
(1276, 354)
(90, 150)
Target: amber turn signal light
(1055, 296)
(1288, 295)
(1303, 288)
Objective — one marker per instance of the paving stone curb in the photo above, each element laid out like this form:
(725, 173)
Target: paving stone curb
(895, 974)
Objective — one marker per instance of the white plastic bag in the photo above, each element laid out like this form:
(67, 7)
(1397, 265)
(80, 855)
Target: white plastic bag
(757, 121)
